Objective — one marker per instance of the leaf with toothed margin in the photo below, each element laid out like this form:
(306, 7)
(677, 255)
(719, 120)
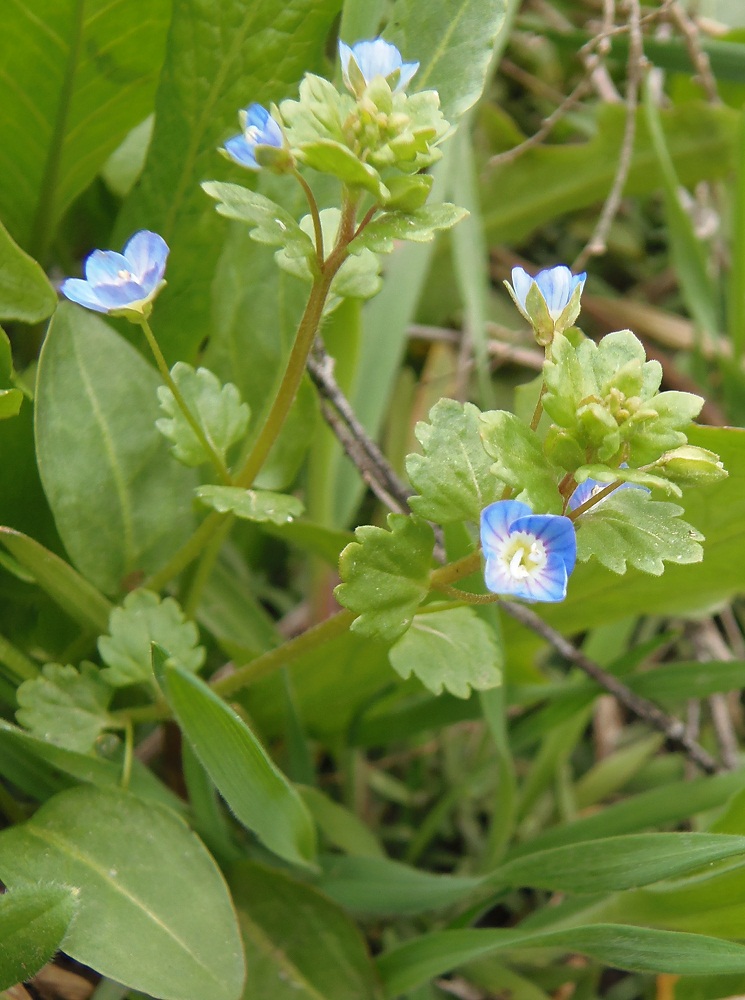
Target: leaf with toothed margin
(385, 575)
(251, 505)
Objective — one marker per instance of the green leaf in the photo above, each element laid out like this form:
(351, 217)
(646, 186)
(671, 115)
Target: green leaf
(615, 863)
(628, 527)
(76, 79)
(638, 949)
(25, 291)
(142, 620)
(246, 51)
(78, 598)
(453, 476)
(95, 425)
(270, 223)
(298, 944)
(138, 921)
(33, 921)
(217, 408)
(66, 707)
(340, 826)
(453, 649)
(386, 575)
(252, 505)
(453, 41)
(381, 887)
(10, 403)
(418, 226)
(519, 461)
(251, 784)
(329, 157)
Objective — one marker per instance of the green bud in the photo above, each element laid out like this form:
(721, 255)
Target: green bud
(279, 161)
(690, 466)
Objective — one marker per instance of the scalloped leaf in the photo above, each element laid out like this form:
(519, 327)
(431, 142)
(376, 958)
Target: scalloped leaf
(65, 706)
(251, 505)
(218, 409)
(453, 650)
(519, 461)
(142, 620)
(453, 477)
(269, 222)
(386, 575)
(629, 528)
(418, 226)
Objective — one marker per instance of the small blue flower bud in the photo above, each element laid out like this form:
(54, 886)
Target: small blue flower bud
(259, 129)
(550, 302)
(371, 59)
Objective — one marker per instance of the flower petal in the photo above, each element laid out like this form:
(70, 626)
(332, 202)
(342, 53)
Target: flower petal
(497, 520)
(147, 254)
(241, 152)
(556, 286)
(521, 282)
(77, 290)
(121, 295)
(104, 266)
(376, 58)
(407, 72)
(557, 534)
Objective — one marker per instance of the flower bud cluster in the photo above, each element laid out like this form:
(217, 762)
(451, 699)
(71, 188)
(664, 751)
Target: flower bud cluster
(373, 137)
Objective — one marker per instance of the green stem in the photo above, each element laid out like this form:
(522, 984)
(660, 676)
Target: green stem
(314, 214)
(456, 571)
(17, 663)
(206, 565)
(601, 495)
(465, 597)
(187, 553)
(216, 460)
(128, 754)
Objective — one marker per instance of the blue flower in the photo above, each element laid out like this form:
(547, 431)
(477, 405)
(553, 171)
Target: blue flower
(259, 129)
(375, 58)
(121, 283)
(527, 555)
(551, 301)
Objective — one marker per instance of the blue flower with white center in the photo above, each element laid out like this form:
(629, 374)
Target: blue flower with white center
(550, 302)
(259, 129)
(374, 58)
(527, 555)
(122, 283)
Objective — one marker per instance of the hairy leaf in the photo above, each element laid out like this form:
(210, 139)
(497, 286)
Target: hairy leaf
(418, 226)
(217, 408)
(65, 706)
(519, 461)
(628, 527)
(252, 505)
(270, 223)
(385, 575)
(142, 620)
(33, 922)
(453, 650)
(453, 476)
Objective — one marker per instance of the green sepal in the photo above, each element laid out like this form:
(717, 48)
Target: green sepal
(453, 650)
(418, 226)
(690, 465)
(519, 461)
(142, 620)
(275, 158)
(406, 193)
(628, 527)
(217, 408)
(251, 505)
(66, 707)
(453, 477)
(269, 222)
(385, 575)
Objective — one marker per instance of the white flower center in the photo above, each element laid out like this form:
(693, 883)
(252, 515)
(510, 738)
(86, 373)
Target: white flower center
(253, 133)
(123, 275)
(523, 555)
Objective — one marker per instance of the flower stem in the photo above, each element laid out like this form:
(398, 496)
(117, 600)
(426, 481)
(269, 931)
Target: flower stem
(314, 214)
(216, 460)
(187, 553)
(600, 495)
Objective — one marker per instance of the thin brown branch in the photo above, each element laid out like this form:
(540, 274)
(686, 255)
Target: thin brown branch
(673, 729)
(678, 15)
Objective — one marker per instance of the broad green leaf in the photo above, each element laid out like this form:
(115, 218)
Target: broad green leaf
(269, 222)
(618, 862)
(252, 505)
(65, 586)
(298, 943)
(628, 527)
(340, 826)
(418, 226)
(252, 51)
(381, 887)
(453, 477)
(85, 767)
(453, 650)
(33, 921)
(637, 949)
(139, 920)
(142, 620)
(25, 291)
(519, 461)
(95, 425)
(549, 180)
(76, 78)
(252, 785)
(123, 168)
(231, 611)
(453, 41)
(218, 410)
(65, 706)
(385, 575)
